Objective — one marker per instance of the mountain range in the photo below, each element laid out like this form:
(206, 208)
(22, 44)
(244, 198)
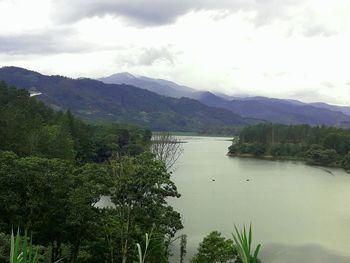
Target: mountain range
(96, 101)
(164, 105)
(285, 111)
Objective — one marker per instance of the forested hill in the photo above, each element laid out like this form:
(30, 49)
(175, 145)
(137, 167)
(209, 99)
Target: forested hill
(319, 145)
(95, 100)
(30, 128)
(54, 168)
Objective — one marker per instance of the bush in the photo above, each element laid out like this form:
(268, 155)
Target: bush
(215, 248)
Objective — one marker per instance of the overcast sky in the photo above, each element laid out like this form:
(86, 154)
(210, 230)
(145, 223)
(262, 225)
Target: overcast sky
(277, 48)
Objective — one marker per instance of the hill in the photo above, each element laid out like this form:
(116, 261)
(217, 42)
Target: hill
(159, 86)
(284, 111)
(97, 101)
(280, 111)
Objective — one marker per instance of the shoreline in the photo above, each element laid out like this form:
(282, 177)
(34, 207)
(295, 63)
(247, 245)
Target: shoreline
(284, 158)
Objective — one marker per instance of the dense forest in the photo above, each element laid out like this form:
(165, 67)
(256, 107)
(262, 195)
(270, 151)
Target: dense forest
(54, 168)
(321, 145)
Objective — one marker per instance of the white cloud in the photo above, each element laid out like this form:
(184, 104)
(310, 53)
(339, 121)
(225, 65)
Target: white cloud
(286, 49)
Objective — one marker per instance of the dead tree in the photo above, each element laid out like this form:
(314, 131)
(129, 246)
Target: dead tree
(167, 148)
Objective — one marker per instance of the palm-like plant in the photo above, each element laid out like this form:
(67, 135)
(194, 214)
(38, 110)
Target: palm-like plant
(244, 245)
(142, 256)
(22, 250)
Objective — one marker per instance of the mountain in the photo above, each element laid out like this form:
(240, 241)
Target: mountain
(159, 86)
(284, 111)
(343, 109)
(95, 100)
(281, 111)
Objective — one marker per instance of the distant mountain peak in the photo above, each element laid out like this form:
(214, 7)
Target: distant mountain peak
(159, 86)
(127, 75)
(122, 75)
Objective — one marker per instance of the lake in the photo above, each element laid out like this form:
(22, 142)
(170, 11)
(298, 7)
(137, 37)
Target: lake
(299, 213)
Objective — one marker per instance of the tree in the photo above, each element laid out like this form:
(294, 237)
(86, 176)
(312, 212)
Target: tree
(34, 195)
(89, 183)
(140, 186)
(183, 251)
(166, 148)
(346, 162)
(321, 156)
(215, 248)
(52, 198)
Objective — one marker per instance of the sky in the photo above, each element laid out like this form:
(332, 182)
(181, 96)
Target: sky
(296, 49)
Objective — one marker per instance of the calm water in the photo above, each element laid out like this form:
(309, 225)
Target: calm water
(299, 213)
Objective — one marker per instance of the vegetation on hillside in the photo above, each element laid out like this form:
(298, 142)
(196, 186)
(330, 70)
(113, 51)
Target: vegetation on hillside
(321, 145)
(96, 101)
(54, 169)
(28, 127)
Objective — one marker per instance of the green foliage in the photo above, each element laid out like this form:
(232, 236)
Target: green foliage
(51, 197)
(286, 149)
(56, 200)
(346, 162)
(140, 186)
(22, 250)
(142, 256)
(320, 145)
(338, 141)
(321, 156)
(54, 169)
(256, 149)
(244, 242)
(5, 247)
(183, 251)
(215, 248)
(28, 127)
(119, 139)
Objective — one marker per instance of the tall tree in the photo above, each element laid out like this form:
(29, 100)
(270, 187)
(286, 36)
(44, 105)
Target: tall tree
(140, 187)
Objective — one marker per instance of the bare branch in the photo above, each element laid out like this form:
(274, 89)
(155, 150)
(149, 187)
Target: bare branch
(166, 148)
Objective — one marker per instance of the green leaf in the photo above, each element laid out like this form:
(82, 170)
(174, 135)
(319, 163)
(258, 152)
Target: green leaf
(257, 252)
(140, 252)
(12, 251)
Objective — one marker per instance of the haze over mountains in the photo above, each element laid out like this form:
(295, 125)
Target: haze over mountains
(164, 105)
(269, 109)
(160, 86)
(97, 101)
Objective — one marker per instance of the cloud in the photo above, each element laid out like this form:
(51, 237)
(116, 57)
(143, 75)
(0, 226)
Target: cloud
(318, 30)
(328, 84)
(281, 74)
(311, 94)
(45, 42)
(150, 55)
(147, 56)
(161, 12)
